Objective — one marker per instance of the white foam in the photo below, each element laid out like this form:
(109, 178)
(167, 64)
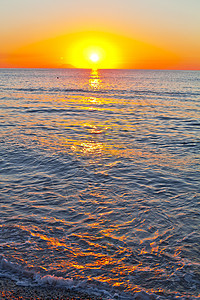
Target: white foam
(53, 280)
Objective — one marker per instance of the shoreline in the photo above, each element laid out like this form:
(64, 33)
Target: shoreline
(9, 290)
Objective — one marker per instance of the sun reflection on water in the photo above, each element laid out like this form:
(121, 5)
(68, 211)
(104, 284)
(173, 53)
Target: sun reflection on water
(94, 80)
(96, 173)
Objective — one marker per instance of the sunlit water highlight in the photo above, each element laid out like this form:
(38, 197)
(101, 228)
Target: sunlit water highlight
(99, 180)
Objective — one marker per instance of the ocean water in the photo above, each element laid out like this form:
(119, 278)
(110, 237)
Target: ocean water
(99, 181)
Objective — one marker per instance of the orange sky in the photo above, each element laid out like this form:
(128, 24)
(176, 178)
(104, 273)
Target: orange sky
(138, 34)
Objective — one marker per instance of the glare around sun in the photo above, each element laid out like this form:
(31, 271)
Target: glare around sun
(93, 51)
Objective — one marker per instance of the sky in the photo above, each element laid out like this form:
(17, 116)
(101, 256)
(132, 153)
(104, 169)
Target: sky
(141, 34)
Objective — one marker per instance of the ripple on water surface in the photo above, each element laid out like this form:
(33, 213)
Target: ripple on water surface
(100, 180)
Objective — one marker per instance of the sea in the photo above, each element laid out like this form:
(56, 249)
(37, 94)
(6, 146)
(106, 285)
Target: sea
(100, 181)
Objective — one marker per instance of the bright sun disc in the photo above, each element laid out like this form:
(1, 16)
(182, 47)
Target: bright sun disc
(93, 50)
(94, 57)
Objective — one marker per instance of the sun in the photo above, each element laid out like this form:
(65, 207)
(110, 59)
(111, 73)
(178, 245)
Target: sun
(94, 57)
(93, 50)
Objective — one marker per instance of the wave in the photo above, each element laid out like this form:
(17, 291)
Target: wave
(92, 287)
(112, 92)
(30, 278)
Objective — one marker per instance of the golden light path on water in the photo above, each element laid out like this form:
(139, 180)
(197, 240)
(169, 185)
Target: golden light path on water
(103, 199)
(94, 145)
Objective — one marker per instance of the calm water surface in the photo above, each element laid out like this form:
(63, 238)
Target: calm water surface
(99, 180)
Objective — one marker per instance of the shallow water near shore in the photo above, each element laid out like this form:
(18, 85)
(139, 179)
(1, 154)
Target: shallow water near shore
(99, 180)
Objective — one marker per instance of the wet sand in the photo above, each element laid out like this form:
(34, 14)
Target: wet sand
(9, 290)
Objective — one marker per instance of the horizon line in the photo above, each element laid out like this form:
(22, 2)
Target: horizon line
(96, 69)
